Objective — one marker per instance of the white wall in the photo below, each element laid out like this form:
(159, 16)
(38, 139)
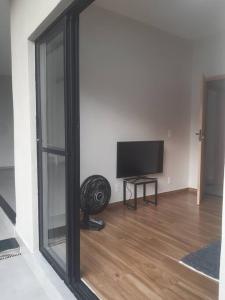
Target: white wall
(135, 85)
(6, 122)
(222, 256)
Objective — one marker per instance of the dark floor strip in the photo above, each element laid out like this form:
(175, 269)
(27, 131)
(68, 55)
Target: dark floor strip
(57, 232)
(8, 210)
(9, 248)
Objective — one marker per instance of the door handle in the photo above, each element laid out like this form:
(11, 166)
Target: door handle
(200, 135)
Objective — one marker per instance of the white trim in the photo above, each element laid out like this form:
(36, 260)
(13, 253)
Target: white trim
(90, 288)
(195, 270)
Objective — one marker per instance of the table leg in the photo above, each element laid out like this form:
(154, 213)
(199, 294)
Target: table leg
(144, 192)
(135, 196)
(124, 192)
(156, 193)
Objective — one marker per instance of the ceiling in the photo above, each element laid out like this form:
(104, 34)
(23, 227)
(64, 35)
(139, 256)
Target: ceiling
(190, 19)
(5, 52)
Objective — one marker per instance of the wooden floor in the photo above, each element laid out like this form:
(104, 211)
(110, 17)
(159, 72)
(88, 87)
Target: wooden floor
(137, 255)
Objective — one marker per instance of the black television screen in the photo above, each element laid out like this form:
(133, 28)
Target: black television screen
(139, 158)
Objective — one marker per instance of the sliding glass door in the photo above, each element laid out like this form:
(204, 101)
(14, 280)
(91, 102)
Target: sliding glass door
(58, 147)
(52, 150)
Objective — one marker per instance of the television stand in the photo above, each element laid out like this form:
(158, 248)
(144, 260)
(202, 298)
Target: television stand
(139, 181)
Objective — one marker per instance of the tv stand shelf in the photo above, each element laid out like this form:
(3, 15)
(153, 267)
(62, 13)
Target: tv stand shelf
(140, 181)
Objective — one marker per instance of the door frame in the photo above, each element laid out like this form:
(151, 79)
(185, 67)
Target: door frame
(69, 19)
(205, 80)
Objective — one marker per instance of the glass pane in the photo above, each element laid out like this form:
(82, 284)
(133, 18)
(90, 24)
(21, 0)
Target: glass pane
(54, 206)
(52, 92)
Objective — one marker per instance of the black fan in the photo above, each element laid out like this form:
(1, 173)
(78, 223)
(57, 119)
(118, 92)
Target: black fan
(94, 197)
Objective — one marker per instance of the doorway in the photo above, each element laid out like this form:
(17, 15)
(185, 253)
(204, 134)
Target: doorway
(52, 145)
(215, 138)
(58, 147)
(212, 138)
(7, 165)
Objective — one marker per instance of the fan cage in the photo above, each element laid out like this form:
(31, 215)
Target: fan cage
(95, 194)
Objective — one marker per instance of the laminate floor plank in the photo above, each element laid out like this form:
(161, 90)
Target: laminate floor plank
(137, 255)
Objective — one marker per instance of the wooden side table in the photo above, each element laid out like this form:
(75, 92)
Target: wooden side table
(140, 181)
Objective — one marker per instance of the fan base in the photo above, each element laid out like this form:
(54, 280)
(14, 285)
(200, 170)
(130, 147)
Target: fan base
(92, 224)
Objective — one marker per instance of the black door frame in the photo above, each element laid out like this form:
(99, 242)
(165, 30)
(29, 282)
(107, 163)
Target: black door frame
(69, 20)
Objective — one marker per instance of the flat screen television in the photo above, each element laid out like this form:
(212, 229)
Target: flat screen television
(139, 158)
